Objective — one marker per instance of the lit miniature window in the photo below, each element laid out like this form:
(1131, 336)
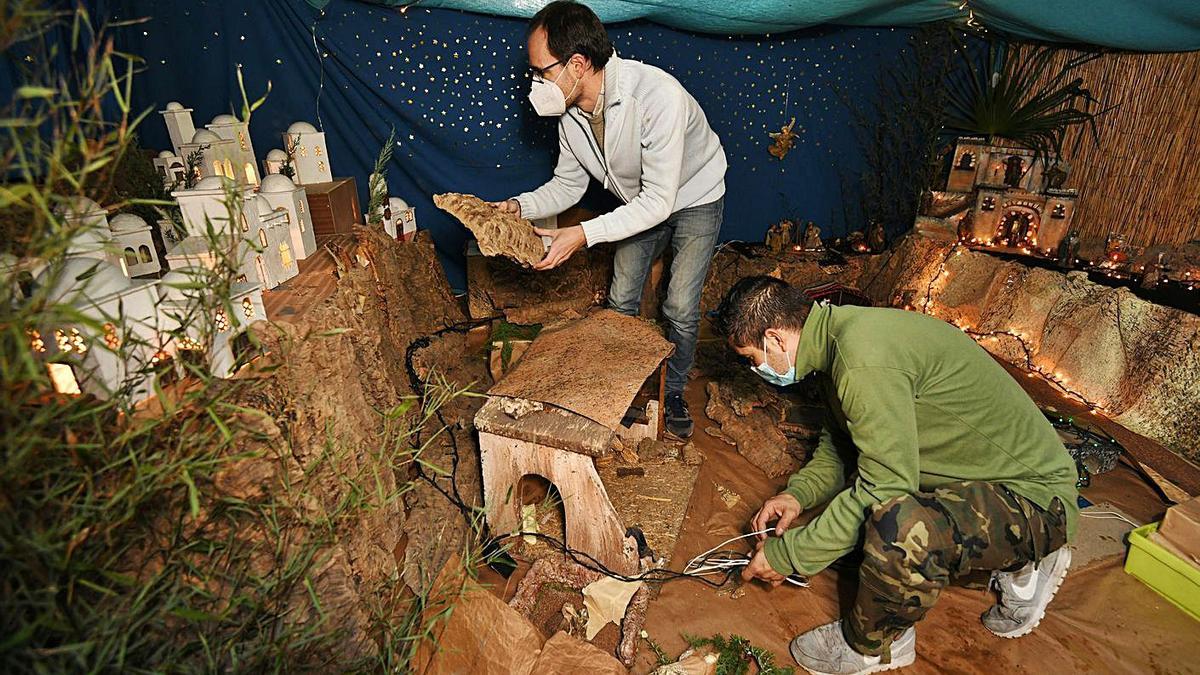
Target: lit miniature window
(285, 254)
(248, 308)
(241, 279)
(229, 169)
(159, 357)
(317, 150)
(287, 217)
(301, 151)
(188, 344)
(262, 237)
(217, 168)
(62, 376)
(130, 256)
(300, 205)
(111, 339)
(251, 175)
(144, 254)
(242, 140)
(221, 320)
(77, 342)
(70, 341)
(245, 223)
(321, 165)
(36, 343)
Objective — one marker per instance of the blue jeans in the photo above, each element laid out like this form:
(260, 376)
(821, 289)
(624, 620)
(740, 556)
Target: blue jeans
(692, 234)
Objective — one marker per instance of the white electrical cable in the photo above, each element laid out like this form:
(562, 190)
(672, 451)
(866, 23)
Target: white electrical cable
(1107, 515)
(702, 566)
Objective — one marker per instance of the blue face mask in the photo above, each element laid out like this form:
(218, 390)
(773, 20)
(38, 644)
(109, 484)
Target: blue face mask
(766, 372)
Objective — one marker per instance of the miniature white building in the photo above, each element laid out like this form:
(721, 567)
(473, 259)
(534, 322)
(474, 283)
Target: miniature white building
(91, 239)
(179, 126)
(171, 167)
(274, 245)
(284, 195)
(274, 162)
(109, 362)
(260, 240)
(241, 150)
(399, 219)
(217, 154)
(229, 346)
(133, 237)
(310, 155)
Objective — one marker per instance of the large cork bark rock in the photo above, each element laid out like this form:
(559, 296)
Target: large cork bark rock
(747, 422)
(497, 232)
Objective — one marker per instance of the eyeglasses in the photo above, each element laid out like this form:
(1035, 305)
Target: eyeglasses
(540, 73)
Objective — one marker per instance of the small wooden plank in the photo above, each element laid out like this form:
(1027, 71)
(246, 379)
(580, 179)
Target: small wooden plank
(551, 426)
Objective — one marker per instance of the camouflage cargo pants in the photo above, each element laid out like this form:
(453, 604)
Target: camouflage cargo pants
(915, 544)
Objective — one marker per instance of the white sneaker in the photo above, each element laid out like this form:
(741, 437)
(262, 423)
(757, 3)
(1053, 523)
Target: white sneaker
(824, 651)
(1025, 593)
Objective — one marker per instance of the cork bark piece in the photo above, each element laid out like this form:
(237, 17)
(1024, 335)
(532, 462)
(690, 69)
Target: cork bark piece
(498, 233)
(591, 367)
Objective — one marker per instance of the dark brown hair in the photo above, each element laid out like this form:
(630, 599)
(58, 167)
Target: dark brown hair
(572, 28)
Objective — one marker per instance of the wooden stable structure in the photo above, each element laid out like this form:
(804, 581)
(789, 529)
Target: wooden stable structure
(557, 410)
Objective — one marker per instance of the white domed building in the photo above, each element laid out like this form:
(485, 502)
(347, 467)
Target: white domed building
(274, 162)
(179, 125)
(259, 239)
(134, 238)
(171, 167)
(285, 196)
(228, 346)
(274, 261)
(309, 152)
(111, 350)
(229, 128)
(218, 155)
(91, 236)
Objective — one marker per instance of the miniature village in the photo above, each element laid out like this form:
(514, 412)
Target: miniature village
(260, 419)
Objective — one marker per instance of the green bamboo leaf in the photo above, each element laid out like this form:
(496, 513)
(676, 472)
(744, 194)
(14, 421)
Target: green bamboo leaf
(30, 91)
(193, 493)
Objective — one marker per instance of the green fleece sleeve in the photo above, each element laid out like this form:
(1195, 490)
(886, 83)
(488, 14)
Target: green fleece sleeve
(825, 474)
(881, 419)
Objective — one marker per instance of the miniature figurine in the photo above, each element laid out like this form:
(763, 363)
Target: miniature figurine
(784, 139)
(812, 237)
(876, 237)
(1068, 249)
(774, 238)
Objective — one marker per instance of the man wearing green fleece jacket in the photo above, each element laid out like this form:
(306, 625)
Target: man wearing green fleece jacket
(931, 455)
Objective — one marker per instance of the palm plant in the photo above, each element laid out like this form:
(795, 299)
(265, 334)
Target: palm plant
(1016, 95)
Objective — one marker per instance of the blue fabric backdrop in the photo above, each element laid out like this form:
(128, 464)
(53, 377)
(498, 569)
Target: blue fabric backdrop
(1146, 25)
(452, 85)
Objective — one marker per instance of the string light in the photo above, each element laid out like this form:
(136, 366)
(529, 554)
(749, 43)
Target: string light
(1032, 369)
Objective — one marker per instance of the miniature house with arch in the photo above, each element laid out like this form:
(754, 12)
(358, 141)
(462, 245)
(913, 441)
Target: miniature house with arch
(259, 239)
(91, 237)
(134, 239)
(285, 196)
(228, 346)
(241, 150)
(309, 153)
(1000, 197)
(171, 167)
(274, 162)
(558, 410)
(114, 358)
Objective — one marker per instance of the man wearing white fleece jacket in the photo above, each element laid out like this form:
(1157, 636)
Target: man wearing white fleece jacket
(638, 132)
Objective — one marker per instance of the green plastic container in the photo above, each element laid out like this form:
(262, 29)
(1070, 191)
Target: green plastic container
(1158, 568)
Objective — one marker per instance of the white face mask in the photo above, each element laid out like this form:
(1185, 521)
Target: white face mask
(547, 99)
